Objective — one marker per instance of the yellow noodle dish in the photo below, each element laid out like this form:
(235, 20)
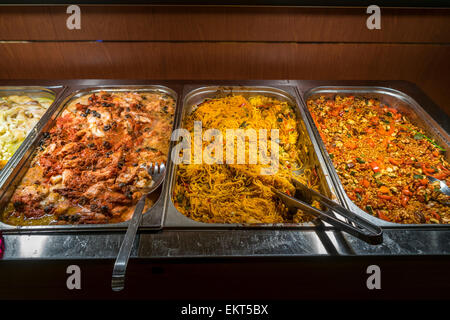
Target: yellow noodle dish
(239, 193)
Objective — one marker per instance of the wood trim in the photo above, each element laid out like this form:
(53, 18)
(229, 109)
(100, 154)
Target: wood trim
(159, 23)
(236, 61)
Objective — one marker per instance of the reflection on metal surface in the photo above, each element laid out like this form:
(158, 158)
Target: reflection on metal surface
(225, 243)
(2, 245)
(231, 243)
(317, 245)
(32, 246)
(405, 242)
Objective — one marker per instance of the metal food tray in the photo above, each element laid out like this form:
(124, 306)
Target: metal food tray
(395, 99)
(192, 96)
(22, 163)
(53, 92)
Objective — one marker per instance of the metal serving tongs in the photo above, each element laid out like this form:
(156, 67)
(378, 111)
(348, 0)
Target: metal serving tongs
(364, 229)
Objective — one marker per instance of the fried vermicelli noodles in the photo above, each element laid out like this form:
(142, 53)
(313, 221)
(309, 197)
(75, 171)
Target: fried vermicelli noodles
(238, 193)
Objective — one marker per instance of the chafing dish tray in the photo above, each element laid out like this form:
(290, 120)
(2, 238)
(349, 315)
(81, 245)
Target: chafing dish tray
(194, 95)
(23, 163)
(392, 98)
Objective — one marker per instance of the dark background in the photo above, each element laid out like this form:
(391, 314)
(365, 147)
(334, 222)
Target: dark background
(239, 279)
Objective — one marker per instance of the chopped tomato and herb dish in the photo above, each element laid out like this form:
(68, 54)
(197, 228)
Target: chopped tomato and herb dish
(383, 160)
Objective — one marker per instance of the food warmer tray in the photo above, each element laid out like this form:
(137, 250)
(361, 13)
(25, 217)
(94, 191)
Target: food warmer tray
(192, 96)
(46, 89)
(396, 98)
(22, 161)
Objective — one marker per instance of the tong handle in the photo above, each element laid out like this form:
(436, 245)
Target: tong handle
(357, 220)
(333, 206)
(368, 232)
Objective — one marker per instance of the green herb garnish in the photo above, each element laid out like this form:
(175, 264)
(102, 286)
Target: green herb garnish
(379, 183)
(418, 136)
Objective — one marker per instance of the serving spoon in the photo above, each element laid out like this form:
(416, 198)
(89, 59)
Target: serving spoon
(120, 266)
(443, 186)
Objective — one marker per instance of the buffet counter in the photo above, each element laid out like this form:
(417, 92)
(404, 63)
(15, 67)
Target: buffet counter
(167, 235)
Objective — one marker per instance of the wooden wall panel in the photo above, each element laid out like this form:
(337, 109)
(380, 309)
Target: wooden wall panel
(224, 24)
(228, 43)
(199, 60)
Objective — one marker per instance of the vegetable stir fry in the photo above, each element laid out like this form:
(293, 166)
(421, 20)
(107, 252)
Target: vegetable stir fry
(383, 160)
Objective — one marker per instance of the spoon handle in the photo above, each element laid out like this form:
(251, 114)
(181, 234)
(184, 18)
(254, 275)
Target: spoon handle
(120, 266)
